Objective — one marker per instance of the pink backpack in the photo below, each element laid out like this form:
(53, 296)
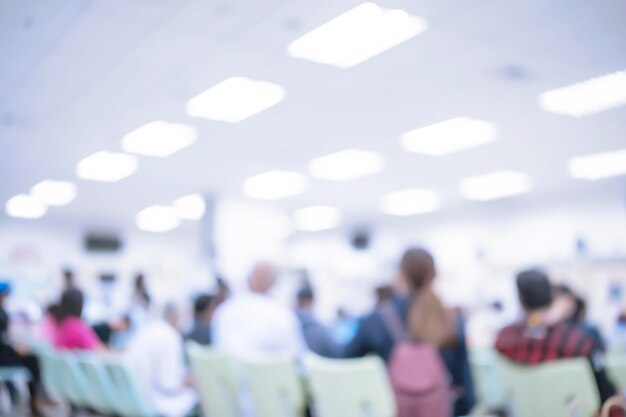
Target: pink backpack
(419, 379)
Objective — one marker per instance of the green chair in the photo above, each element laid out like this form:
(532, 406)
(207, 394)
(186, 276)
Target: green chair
(100, 385)
(131, 403)
(562, 388)
(616, 367)
(483, 363)
(215, 380)
(51, 376)
(275, 386)
(74, 381)
(350, 387)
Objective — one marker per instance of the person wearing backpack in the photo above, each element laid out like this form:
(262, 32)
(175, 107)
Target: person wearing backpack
(422, 342)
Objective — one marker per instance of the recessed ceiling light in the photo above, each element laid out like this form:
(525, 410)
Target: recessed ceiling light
(235, 99)
(495, 185)
(316, 218)
(190, 207)
(274, 185)
(106, 166)
(450, 136)
(600, 165)
(409, 202)
(347, 165)
(54, 193)
(157, 219)
(357, 35)
(25, 206)
(587, 97)
(159, 139)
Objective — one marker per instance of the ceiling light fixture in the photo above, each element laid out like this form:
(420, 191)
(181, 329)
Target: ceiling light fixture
(274, 185)
(159, 139)
(495, 185)
(409, 202)
(599, 165)
(316, 218)
(347, 165)
(25, 207)
(158, 219)
(54, 193)
(190, 207)
(106, 166)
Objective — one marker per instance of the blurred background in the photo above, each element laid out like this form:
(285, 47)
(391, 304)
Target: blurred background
(188, 139)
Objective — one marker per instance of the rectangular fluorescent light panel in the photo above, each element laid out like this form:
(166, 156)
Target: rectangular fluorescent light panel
(158, 219)
(274, 185)
(316, 218)
(357, 35)
(106, 166)
(588, 97)
(159, 139)
(235, 99)
(190, 207)
(409, 202)
(347, 165)
(449, 136)
(54, 193)
(25, 207)
(495, 185)
(598, 166)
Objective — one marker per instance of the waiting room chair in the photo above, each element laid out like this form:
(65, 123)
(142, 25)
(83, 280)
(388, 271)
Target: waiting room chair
(616, 367)
(483, 363)
(215, 380)
(275, 386)
(74, 381)
(128, 396)
(100, 385)
(561, 388)
(350, 387)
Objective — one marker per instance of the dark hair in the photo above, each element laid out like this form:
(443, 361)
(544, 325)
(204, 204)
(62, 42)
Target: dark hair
(418, 266)
(68, 278)
(534, 289)
(579, 310)
(202, 304)
(54, 311)
(384, 293)
(140, 287)
(305, 294)
(71, 303)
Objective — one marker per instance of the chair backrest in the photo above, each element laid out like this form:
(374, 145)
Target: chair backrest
(484, 366)
(215, 380)
(101, 389)
(616, 366)
(51, 372)
(74, 380)
(130, 400)
(276, 386)
(562, 388)
(350, 387)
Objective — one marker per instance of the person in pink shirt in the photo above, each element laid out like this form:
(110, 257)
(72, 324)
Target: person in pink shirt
(72, 332)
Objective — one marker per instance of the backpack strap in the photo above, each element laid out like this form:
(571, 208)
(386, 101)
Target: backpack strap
(393, 321)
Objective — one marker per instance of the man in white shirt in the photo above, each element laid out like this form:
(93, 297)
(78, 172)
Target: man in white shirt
(255, 323)
(156, 357)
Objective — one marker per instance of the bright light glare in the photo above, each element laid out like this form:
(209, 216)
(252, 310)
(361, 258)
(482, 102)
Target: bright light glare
(235, 99)
(357, 35)
(25, 206)
(598, 166)
(159, 139)
(588, 97)
(409, 202)
(316, 218)
(54, 193)
(274, 185)
(347, 165)
(495, 185)
(157, 219)
(190, 207)
(106, 166)
(450, 136)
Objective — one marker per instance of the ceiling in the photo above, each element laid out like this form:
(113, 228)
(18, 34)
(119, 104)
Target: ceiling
(76, 75)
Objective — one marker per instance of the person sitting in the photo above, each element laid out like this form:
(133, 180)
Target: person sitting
(317, 336)
(108, 330)
(253, 322)
(155, 355)
(203, 309)
(538, 338)
(72, 332)
(424, 318)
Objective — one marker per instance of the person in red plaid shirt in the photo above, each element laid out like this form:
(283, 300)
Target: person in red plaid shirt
(537, 339)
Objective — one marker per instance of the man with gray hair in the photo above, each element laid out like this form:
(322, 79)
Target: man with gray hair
(156, 357)
(255, 323)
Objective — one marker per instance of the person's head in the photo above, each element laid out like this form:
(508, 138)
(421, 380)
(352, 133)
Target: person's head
(203, 308)
(72, 303)
(417, 268)
(68, 279)
(5, 290)
(384, 293)
(54, 311)
(140, 281)
(534, 290)
(262, 278)
(121, 325)
(305, 298)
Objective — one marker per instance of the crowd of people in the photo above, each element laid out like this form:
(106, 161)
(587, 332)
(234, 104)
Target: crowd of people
(422, 341)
